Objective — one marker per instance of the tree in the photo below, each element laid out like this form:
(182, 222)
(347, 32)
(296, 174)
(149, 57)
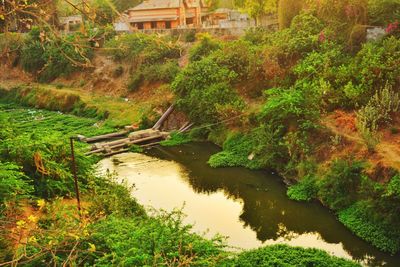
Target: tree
(258, 8)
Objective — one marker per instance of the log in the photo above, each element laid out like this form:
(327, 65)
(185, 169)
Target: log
(163, 118)
(109, 148)
(104, 137)
(186, 128)
(183, 126)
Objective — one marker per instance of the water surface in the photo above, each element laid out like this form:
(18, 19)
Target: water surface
(249, 207)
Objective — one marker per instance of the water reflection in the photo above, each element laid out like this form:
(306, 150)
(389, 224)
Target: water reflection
(250, 207)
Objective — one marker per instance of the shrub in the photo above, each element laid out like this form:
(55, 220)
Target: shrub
(360, 219)
(135, 81)
(283, 255)
(305, 190)
(339, 187)
(51, 58)
(238, 149)
(203, 87)
(203, 48)
(165, 72)
(158, 240)
(379, 110)
(242, 58)
(14, 185)
(111, 197)
(190, 36)
(142, 48)
(176, 138)
(383, 12)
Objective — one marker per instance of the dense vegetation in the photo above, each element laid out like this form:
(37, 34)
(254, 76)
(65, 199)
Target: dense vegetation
(303, 72)
(265, 97)
(113, 229)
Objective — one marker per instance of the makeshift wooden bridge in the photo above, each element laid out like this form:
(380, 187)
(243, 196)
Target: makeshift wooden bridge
(119, 142)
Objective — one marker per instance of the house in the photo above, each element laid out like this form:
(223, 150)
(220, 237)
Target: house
(167, 14)
(228, 18)
(70, 23)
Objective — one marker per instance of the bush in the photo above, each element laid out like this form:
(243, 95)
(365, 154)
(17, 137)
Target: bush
(135, 81)
(204, 48)
(236, 153)
(383, 12)
(339, 187)
(158, 240)
(14, 185)
(165, 72)
(305, 190)
(283, 255)
(203, 87)
(53, 57)
(190, 36)
(360, 220)
(176, 138)
(379, 109)
(142, 48)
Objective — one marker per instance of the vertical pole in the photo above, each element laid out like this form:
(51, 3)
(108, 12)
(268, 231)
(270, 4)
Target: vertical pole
(73, 166)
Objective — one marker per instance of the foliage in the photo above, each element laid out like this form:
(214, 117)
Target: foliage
(110, 197)
(158, 240)
(379, 109)
(374, 66)
(383, 12)
(49, 58)
(359, 219)
(43, 151)
(176, 138)
(394, 186)
(203, 48)
(142, 48)
(237, 151)
(283, 255)
(55, 100)
(258, 8)
(13, 184)
(287, 10)
(305, 190)
(203, 88)
(291, 106)
(339, 186)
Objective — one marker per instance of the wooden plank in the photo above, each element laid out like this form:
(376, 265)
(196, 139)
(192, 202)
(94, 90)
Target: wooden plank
(163, 118)
(104, 137)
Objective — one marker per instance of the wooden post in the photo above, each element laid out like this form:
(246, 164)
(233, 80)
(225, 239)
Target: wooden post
(73, 167)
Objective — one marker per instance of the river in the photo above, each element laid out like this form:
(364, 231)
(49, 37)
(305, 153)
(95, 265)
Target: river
(249, 207)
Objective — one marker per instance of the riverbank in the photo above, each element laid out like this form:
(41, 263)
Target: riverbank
(34, 157)
(238, 149)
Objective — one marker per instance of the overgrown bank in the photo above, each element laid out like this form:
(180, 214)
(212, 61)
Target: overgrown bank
(40, 224)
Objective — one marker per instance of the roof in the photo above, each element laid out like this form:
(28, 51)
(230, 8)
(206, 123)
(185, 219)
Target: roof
(154, 4)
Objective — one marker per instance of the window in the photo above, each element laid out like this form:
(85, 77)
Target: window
(189, 21)
(140, 25)
(153, 24)
(168, 24)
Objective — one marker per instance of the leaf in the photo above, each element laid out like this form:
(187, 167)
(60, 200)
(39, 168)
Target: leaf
(41, 203)
(33, 218)
(92, 247)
